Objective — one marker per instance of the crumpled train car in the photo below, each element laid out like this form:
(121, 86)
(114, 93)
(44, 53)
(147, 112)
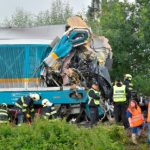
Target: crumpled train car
(21, 52)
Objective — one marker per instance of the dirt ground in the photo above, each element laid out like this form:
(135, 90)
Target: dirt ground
(142, 144)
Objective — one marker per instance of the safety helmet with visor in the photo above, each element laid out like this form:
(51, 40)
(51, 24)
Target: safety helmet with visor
(35, 97)
(128, 76)
(46, 102)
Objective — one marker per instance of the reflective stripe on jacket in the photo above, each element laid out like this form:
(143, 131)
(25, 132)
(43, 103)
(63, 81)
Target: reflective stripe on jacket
(21, 105)
(3, 112)
(119, 93)
(148, 117)
(130, 87)
(137, 118)
(3, 116)
(49, 112)
(96, 101)
(25, 103)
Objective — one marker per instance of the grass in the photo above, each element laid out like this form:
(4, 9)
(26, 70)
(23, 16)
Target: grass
(59, 135)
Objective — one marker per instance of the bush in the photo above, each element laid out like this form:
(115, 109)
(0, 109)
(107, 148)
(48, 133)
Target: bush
(59, 135)
(142, 84)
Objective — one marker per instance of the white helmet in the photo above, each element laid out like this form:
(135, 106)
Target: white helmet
(4, 105)
(35, 97)
(46, 102)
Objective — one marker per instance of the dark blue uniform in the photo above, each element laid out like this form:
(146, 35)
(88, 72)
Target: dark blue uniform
(49, 112)
(94, 98)
(129, 86)
(24, 105)
(3, 115)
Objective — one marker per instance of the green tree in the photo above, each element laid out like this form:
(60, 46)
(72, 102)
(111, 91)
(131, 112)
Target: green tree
(57, 14)
(67, 11)
(60, 12)
(142, 53)
(127, 28)
(43, 18)
(94, 9)
(20, 18)
(114, 23)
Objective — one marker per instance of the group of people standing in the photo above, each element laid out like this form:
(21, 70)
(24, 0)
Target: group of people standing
(126, 109)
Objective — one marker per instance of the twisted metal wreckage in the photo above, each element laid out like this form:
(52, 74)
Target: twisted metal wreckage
(30, 64)
(78, 59)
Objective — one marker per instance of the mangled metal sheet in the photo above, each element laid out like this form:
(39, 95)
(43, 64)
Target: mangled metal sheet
(100, 45)
(44, 32)
(79, 58)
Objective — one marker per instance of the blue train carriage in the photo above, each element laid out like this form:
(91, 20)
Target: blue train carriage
(19, 60)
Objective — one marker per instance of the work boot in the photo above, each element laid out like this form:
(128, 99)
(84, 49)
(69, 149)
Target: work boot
(134, 139)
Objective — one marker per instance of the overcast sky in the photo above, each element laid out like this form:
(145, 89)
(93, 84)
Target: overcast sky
(8, 7)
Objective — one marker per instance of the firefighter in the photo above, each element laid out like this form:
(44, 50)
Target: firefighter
(4, 113)
(25, 108)
(48, 111)
(94, 96)
(148, 122)
(136, 120)
(120, 102)
(128, 81)
(129, 85)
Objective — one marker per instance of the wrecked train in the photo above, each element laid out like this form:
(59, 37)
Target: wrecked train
(60, 70)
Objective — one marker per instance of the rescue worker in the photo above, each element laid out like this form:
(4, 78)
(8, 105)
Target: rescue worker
(48, 111)
(128, 81)
(120, 102)
(129, 85)
(136, 120)
(25, 108)
(94, 96)
(4, 113)
(148, 122)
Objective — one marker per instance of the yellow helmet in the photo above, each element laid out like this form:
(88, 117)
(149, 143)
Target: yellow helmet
(128, 76)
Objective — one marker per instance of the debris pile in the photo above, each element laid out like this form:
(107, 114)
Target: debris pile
(78, 58)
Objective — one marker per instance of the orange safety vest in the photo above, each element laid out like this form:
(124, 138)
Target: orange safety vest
(148, 116)
(137, 118)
